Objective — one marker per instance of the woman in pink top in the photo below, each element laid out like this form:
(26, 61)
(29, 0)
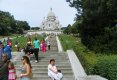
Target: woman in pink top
(43, 46)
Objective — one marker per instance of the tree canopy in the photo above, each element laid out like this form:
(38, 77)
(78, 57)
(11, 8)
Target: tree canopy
(9, 25)
(96, 17)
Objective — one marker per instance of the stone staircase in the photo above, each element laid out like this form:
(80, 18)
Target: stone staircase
(53, 43)
(40, 69)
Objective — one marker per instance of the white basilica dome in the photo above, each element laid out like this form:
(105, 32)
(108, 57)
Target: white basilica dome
(51, 14)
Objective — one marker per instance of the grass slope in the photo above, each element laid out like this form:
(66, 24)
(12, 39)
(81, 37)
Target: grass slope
(93, 63)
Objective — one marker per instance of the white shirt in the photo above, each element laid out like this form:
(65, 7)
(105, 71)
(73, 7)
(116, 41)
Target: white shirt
(52, 67)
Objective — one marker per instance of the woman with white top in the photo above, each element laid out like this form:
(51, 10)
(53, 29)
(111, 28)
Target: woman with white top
(53, 72)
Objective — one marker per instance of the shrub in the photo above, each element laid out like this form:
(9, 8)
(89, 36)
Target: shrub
(87, 59)
(106, 67)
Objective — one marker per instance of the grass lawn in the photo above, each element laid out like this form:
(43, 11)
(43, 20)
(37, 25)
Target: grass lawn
(22, 41)
(68, 41)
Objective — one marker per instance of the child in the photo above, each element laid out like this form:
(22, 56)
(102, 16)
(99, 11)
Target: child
(43, 46)
(12, 73)
(48, 43)
(17, 45)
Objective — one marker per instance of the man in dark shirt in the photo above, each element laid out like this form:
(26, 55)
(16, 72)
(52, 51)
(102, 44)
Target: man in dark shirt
(4, 67)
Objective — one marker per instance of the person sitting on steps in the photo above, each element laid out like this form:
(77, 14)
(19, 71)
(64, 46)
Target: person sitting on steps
(53, 72)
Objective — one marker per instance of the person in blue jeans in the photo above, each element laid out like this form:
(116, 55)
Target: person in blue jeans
(36, 44)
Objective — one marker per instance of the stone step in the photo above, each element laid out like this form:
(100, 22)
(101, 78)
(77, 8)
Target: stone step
(47, 52)
(47, 61)
(48, 58)
(51, 57)
(33, 63)
(52, 41)
(46, 75)
(52, 46)
(41, 77)
(40, 69)
(54, 49)
(55, 44)
(52, 54)
(45, 69)
(64, 78)
(45, 66)
(36, 73)
(44, 55)
(45, 72)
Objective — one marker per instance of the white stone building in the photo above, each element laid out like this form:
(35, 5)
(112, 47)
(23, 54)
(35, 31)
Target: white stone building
(51, 23)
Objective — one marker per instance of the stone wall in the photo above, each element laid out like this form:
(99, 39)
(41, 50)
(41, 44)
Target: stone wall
(56, 32)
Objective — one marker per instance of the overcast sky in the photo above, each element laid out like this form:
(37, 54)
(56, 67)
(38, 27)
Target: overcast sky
(33, 11)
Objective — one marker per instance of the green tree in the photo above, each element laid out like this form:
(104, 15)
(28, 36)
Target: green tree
(6, 22)
(9, 25)
(67, 30)
(96, 15)
(21, 26)
(75, 27)
(35, 28)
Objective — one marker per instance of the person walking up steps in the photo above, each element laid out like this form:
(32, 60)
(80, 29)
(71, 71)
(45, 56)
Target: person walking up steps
(43, 46)
(48, 44)
(36, 44)
(9, 42)
(17, 45)
(28, 48)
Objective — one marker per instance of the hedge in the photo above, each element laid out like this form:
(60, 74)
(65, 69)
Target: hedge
(107, 67)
